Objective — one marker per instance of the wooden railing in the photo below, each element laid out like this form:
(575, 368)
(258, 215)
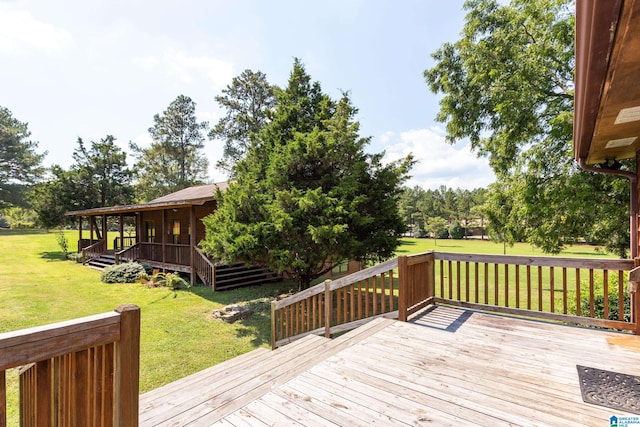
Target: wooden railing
(173, 254)
(123, 243)
(335, 306)
(132, 253)
(94, 251)
(577, 290)
(205, 269)
(80, 372)
(574, 290)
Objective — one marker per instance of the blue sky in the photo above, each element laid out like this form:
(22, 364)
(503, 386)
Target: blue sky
(91, 68)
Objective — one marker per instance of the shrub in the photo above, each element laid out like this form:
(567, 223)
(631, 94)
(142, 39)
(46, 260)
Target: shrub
(62, 241)
(75, 256)
(598, 299)
(122, 273)
(170, 280)
(456, 231)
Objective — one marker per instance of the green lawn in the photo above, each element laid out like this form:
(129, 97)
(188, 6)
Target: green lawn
(178, 335)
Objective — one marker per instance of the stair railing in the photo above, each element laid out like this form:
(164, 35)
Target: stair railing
(94, 251)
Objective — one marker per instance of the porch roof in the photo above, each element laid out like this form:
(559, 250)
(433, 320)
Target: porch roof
(192, 196)
(607, 96)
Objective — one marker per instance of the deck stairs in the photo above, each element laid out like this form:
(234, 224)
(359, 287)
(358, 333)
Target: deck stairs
(102, 262)
(227, 276)
(207, 396)
(234, 275)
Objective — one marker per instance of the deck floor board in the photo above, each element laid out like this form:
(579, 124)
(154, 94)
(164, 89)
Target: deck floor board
(447, 366)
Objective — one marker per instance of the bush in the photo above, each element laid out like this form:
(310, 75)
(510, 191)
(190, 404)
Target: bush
(169, 280)
(456, 231)
(598, 299)
(122, 273)
(75, 256)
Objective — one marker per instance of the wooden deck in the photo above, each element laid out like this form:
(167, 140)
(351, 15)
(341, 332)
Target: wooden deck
(446, 367)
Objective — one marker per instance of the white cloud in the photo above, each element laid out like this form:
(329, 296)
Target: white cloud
(21, 30)
(189, 68)
(439, 163)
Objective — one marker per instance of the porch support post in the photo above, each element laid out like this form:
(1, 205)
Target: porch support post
(104, 231)
(79, 233)
(91, 225)
(164, 233)
(121, 221)
(193, 237)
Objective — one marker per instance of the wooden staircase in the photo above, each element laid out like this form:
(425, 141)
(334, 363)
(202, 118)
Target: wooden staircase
(102, 262)
(207, 396)
(234, 275)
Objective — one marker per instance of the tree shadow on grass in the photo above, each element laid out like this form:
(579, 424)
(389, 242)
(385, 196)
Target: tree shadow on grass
(53, 256)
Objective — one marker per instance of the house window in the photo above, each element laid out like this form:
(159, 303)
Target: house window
(175, 230)
(151, 231)
(343, 267)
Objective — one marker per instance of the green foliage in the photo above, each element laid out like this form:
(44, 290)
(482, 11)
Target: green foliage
(19, 162)
(598, 299)
(248, 101)
(507, 85)
(417, 205)
(19, 218)
(306, 196)
(170, 280)
(128, 272)
(98, 178)
(174, 160)
(437, 227)
(456, 231)
(63, 242)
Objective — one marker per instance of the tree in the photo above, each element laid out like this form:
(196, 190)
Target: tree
(507, 86)
(248, 100)
(306, 196)
(20, 165)
(98, 178)
(174, 160)
(437, 226)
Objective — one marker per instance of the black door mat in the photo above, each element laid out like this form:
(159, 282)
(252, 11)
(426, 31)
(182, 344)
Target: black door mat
(610, 389)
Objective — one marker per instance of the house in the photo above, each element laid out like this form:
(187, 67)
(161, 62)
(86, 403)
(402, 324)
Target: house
(164, 233)
(451, 364)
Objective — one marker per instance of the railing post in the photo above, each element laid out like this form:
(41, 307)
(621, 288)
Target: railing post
(3, 399)
(328, 308)
(127, 367)
(402, 288)
(273, 325)
(431, 276)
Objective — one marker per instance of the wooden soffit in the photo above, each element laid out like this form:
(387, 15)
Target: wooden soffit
(607, 83)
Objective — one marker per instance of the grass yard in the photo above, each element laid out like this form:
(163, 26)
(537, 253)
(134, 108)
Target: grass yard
(178, 334)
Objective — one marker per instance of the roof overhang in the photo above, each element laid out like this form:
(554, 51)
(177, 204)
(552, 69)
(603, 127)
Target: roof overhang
(132, 209)
(607, 80)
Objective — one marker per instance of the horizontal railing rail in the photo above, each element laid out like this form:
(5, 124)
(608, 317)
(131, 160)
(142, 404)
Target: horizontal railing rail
(577, 290)
(94, 251)
(335, 306)
(80, 372)
(129, 254)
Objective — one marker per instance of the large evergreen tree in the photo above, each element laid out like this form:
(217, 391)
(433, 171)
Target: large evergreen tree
(174, 160)
(20, 165)
(306, 196)
(507, 86)
(248, 100)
